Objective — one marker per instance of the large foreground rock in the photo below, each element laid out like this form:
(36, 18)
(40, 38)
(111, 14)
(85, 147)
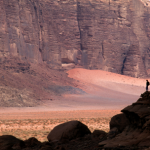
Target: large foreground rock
(68, 131)
(137, 132)
(119, 121)
(9, 142)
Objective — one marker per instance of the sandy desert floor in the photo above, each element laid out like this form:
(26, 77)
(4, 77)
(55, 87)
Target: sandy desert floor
(105, 95)
(28, 124)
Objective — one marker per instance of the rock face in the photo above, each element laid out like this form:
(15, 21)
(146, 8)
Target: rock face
(119, 121)
(106, 34)
(68, 131)
(137, 132)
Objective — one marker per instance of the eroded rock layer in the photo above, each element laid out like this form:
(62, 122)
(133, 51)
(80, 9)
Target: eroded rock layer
(98, 34)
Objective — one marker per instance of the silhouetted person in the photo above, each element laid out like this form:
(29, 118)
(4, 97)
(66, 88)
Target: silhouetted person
(147, 84)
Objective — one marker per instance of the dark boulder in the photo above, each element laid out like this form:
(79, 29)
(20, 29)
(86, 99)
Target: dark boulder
(119, 121)
(99, 134)
(31, 142)
(112, 133)
(9, 142)
(68, 131)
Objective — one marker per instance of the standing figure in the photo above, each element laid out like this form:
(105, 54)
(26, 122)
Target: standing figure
(147, 84)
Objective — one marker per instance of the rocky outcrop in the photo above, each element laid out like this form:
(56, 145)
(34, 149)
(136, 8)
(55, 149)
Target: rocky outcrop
(119, 121)
(137, 132)
(108, 35)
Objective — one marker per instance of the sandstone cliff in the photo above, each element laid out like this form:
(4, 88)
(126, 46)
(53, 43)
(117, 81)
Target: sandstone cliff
(96, 34)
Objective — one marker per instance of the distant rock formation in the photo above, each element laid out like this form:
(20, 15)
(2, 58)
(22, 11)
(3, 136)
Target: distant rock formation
(108, 35)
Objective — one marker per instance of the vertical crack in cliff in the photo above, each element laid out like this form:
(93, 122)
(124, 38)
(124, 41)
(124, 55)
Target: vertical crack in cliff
(40, 32)
(103, 51)
(78, 20)
(19, 28)
(38, 14)
(144, 64)
(122, 69)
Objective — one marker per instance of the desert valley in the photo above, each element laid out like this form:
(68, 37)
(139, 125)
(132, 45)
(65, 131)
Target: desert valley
(97, 97)
(73, 74)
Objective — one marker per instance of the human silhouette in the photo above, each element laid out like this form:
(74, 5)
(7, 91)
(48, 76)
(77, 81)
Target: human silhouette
(147, 84)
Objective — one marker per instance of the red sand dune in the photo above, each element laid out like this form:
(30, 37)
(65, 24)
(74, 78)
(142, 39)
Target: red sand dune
(96, 76)
(107, 90)
(108, 80)
(104, 91)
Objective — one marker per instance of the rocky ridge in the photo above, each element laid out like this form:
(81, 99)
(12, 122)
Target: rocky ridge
(106, 34)
(136, 132)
